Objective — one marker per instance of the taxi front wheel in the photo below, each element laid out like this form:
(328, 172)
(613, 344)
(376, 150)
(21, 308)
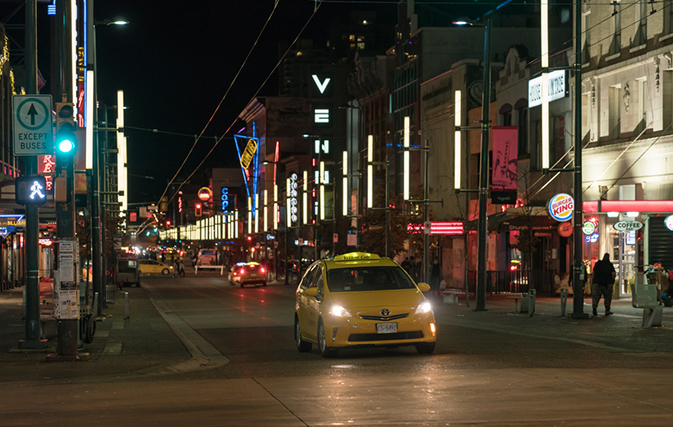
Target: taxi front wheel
(302, 345)
(425, 348)
(164, 272)
(322, 342)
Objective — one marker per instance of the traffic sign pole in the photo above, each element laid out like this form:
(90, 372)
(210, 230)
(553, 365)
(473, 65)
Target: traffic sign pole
(32, 298)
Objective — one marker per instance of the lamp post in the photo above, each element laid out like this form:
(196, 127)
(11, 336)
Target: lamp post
(94, 157)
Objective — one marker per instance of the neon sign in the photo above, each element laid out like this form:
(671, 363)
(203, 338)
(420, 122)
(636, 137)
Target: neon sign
(321, 115)
(225, 199)
(321, 86)
(293, 197)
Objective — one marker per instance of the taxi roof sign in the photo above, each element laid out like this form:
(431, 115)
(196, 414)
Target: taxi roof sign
(352, 256)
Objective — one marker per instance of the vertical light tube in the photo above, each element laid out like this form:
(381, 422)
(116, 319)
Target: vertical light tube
(249, 215)
(257, 213)
(236, 224)
(457, 120)
(322, 190)
(275, 206)
(322, 202)
(90, 119)
(226, 227)
(406, 158)
(544, 48)
(304, 204)
(266, 204)
(370, 171)
(344, 204)
(288, 217)
(75, 55)
(121, 149)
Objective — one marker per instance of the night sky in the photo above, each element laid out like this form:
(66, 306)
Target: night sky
(175, 61)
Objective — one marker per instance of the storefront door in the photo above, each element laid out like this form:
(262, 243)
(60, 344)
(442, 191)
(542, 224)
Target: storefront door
(624, 257)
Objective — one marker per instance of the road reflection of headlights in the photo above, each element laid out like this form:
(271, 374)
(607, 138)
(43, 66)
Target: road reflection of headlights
(424, 307)
(337, 310)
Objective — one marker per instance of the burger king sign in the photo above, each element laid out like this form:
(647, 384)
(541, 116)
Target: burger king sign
(561, 207)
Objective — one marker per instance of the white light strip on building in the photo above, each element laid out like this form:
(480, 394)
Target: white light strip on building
(90, 120)
(288, 217)
(322, 202)
(406, 158)
(457, 120)
(249, 215)
(236, 224)
(256, 213)
(370, 171)
(266, 207)
(275, 206)
(304, 204)
(544, 59)
(121, 148)
(344, 203)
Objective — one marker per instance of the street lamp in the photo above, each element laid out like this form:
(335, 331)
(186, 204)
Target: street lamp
(93, 154)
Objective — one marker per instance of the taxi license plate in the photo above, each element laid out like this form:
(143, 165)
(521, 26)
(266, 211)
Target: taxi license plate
(386, 328)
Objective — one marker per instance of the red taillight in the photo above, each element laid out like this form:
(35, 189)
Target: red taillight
(263, 271)
(242, 271)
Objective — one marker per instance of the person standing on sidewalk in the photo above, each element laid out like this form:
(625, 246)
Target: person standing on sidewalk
(602, 283)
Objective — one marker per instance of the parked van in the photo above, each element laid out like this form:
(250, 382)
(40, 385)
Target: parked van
(206, 257)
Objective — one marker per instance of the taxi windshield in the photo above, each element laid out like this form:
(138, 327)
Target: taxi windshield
(359, 279)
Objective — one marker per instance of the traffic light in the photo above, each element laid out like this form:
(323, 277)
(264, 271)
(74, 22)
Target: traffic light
(168, 224)
(66, 141)
(198, 209)
(30, 190)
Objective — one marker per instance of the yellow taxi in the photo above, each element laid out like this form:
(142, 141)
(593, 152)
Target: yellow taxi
(247, 273)
(150, 266)
(362, 300)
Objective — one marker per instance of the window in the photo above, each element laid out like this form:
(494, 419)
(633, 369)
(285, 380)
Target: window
(309, 276)
(668, 16)
(614, 111)
(586, 56)
(640, 38)
(522, 116)
(616, 44)
(361, 279)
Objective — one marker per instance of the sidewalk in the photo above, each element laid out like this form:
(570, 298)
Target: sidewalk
(144, 343)
(621, 331)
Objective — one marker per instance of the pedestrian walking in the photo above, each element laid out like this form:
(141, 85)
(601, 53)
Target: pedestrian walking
(406, 265)
(602, 283)
(434, 277)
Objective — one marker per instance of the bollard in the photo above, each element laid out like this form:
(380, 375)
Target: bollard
(531, 302)
(94, 309)
(126, 306)
(564, 300)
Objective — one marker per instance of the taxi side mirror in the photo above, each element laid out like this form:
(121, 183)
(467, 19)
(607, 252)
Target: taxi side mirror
(311, 292)
(424, 287)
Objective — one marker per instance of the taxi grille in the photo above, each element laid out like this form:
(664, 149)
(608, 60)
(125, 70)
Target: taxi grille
(386, 337)
(384, 318)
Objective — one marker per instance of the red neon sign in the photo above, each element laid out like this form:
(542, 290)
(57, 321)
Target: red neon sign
(649, 206)
(454, 228)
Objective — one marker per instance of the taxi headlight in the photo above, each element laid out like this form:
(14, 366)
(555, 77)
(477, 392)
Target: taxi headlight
(339, 311)
(424, 307)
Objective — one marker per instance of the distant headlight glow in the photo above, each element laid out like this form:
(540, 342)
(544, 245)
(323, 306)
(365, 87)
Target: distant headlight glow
(423, 307)
(339, 311)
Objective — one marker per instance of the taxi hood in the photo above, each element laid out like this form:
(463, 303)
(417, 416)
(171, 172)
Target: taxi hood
(355, 301)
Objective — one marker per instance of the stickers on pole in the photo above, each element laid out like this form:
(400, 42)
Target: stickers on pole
(561, 207)
(66, 291)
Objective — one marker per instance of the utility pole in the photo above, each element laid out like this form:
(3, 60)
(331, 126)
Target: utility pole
(426, 220)
(96, 232)
(32, 296)
(483, 172)
(578, 236)
(65, 211)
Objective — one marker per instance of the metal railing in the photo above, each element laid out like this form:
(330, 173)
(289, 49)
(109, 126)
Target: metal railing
(515, 281)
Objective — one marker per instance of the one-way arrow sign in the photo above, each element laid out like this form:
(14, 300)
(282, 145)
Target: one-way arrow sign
(33, 133)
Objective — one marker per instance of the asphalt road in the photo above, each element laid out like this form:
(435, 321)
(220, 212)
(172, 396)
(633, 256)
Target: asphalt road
(488, 369)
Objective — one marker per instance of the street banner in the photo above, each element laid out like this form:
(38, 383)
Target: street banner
(505, 151)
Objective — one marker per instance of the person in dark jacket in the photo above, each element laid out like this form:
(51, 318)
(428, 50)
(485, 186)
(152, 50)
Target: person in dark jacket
(435, 277)
(602, 283)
